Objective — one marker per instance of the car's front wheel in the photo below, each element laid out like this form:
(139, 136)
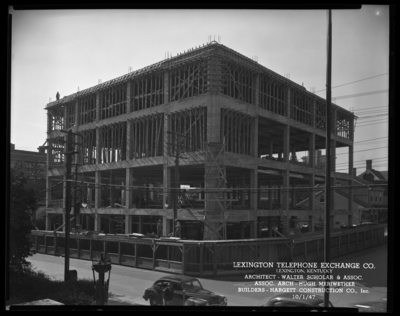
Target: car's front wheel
(152, 300)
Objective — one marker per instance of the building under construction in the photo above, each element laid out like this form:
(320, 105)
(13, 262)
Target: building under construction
(210, 137)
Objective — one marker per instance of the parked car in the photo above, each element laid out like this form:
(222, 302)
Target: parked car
(368, 223)
(296, 299)
(347, 226)
(188, 291)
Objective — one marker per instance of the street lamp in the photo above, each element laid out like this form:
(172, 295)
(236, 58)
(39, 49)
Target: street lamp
(101, 267)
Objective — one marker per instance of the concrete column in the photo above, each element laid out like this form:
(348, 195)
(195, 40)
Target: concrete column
(97, 222)
(166, 87)
(285, 194)
(97, 196)
(167, 198)
(213, 119)
(286, 143)
(311, 150)
(128, 96)
(129, 147)
(77, 116)
(128, 187)
(128, 224)
(98, 146)
(288, 101)
(112, 189)
(214, 136)
(256, 91)
(254, 137)
(98, 111)
(313, 113)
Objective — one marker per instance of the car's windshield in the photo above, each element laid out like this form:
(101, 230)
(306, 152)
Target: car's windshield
(190, 285)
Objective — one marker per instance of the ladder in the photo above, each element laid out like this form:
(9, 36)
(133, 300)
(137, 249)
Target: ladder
(283, 221)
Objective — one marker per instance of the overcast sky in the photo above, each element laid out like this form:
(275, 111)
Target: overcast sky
(67, 50)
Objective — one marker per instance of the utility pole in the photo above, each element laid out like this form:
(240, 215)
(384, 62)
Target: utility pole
(68, 152)
(176, 143)
(327, 234)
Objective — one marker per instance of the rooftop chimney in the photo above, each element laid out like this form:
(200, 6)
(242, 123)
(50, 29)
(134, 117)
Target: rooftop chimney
(354, 172)
(369, 164)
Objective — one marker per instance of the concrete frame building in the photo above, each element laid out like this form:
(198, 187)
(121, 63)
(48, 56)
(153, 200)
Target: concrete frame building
(239, 126)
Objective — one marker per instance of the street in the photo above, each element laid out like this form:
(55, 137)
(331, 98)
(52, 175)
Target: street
(128, 284)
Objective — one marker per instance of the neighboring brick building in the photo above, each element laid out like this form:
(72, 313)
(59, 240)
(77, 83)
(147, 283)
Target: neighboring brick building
(33, 165)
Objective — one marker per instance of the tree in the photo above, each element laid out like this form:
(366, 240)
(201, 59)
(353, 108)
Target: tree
(23, 203)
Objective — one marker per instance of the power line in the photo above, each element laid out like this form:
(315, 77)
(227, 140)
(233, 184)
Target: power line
(345, 84)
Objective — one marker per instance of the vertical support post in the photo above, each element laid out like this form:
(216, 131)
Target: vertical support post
(214, 260)
(201, 258)
(183, 260)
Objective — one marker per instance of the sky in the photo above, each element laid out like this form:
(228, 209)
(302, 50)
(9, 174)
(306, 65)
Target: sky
(71, 50)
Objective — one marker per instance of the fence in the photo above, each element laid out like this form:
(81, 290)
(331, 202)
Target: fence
(205, 258)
